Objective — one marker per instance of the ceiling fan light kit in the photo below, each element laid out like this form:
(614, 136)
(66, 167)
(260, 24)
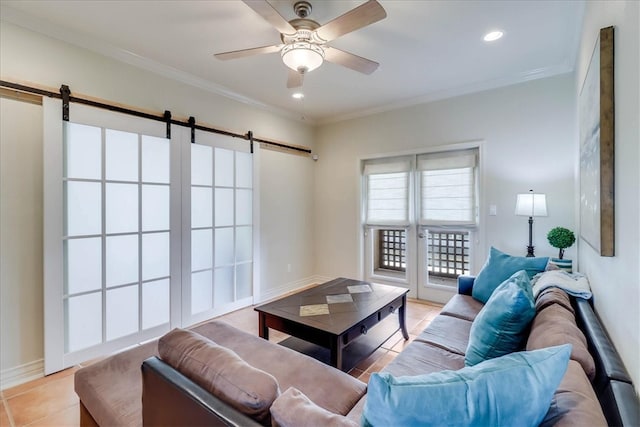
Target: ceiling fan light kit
(304, 42)
(302, 56)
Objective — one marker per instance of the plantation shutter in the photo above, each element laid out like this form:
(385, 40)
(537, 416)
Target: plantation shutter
(448, 187)
(387, 191)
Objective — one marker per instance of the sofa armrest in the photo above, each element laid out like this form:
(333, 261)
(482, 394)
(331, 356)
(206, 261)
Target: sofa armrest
(609, 366)
(171, 399)
(612, 384)
(620, 404)
(465, 284)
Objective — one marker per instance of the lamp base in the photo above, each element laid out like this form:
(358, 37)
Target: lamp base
(530, 247)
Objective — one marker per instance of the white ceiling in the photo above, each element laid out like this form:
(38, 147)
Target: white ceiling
(427, 49)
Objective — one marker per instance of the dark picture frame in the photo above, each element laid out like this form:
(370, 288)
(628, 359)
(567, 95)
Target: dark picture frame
(596, 118)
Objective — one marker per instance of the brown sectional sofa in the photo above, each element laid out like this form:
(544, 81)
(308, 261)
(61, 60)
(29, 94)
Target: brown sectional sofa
(596, 390)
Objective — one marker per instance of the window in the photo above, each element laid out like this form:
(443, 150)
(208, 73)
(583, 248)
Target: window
(387, 183)
(448, 187)
(419, 216)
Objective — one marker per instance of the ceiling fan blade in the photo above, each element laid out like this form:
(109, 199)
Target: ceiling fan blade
(350, 60)
(363, 15)
(264, 9)
(295, 79)
(248, 52)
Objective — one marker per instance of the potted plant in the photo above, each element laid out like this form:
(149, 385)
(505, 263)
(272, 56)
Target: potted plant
(561, 238)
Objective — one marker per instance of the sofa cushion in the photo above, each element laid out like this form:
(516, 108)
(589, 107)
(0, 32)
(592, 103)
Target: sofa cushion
(515, 389)
(555, 325)
(112, 403)
(448, 333)
(574, 402)
(293, 409)
(552, 296)
(290, 368)
(221, 372)
(355, 414)
(503, 322)
(462, 307)
(499, 267)
(423, 358)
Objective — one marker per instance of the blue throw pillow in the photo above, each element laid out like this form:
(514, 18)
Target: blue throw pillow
(502, 324)
(513, 390)
(501, 266)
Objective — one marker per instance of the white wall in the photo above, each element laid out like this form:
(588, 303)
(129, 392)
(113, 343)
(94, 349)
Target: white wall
(287, 207)
(286, 181)
(614, 280)
(529, 142)
(21, 313)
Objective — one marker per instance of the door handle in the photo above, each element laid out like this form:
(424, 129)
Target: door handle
(422, 235)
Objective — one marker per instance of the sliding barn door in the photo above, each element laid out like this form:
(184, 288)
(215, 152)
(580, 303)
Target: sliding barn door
(112, 225)
(142, 233)
(218, 232)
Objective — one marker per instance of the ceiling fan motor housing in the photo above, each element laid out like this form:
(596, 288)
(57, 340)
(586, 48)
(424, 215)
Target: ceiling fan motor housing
(302, 9)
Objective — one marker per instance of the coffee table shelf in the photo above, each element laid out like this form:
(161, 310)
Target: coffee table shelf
(346, 322)
(353, 353)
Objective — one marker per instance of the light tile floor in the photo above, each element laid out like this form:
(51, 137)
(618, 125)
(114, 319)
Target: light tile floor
(51, 401)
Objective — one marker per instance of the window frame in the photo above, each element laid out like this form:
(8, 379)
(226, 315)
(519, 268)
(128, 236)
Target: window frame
(369, 253)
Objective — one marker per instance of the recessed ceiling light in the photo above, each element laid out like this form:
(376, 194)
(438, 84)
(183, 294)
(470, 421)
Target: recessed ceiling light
(493, 36)
(298, 95)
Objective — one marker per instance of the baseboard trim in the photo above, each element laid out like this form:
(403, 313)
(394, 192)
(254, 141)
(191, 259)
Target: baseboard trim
(21, 374)
(290, 287)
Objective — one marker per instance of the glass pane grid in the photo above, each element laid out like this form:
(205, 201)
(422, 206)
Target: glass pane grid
(127, 208)
(448, 253)
(392, 249)
(202, 221)
(221, 247)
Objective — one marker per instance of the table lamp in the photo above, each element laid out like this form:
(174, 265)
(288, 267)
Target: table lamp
(531, 204)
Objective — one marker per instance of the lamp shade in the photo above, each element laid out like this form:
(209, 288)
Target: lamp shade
(302, 56)
(531, 204)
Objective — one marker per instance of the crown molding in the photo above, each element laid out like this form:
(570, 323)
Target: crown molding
(16, 17)
(456, 91)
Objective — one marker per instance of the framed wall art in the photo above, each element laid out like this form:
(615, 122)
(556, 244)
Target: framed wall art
(596, 122)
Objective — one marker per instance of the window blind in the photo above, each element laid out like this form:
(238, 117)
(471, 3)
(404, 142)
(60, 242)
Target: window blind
(447, 187)
(387, 187)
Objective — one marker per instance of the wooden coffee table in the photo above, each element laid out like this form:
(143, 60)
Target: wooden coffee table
(337, 317)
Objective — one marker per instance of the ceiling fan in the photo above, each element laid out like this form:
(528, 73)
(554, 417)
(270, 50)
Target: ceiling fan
(304, 41)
